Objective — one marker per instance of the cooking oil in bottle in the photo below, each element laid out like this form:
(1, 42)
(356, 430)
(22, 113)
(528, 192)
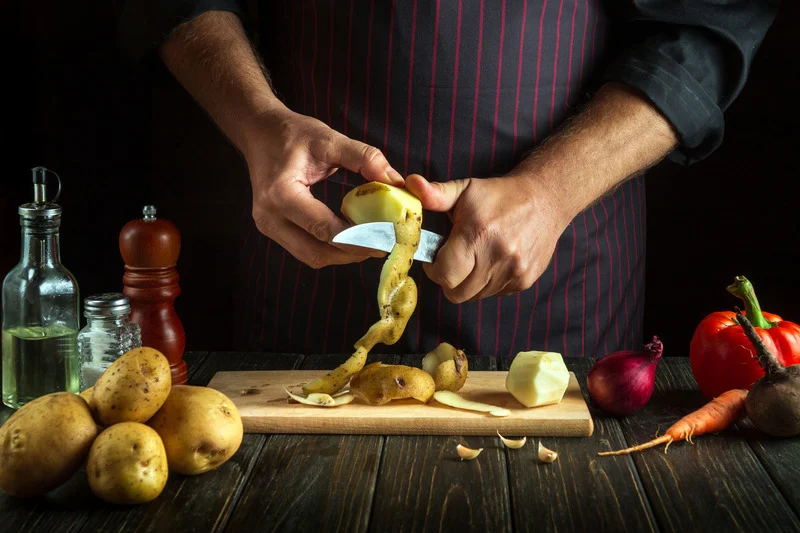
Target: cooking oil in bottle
(38, 361)
(40, 306)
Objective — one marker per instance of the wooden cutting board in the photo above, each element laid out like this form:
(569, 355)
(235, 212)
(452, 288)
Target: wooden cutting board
(261, 400)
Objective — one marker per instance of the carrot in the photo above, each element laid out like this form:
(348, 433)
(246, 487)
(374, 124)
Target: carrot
(718, 414)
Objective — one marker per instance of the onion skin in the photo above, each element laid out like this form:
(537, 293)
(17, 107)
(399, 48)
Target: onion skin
(621, 383)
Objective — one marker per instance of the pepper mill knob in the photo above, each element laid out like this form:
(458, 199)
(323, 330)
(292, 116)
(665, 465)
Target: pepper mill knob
(150, 247)
(149, 241)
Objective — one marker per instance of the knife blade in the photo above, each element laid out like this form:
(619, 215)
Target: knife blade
(380, 236)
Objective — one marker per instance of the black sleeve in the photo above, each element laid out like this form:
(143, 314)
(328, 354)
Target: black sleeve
(144, 24)
(691, 59)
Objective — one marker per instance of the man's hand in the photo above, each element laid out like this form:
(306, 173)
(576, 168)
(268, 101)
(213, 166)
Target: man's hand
(287, 153)
(505, 229)
(504, 233)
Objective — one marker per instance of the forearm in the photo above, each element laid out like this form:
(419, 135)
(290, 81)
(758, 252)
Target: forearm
(617, 135)
(212, 58)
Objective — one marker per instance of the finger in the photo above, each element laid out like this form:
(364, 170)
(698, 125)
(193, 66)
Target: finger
(299, 206)
(309, 250)
(454, 262)
(497, 287)
(476, 282)
(434, 195)
(356, 156)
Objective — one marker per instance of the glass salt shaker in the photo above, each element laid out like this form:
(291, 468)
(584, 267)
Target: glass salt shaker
(108, 334)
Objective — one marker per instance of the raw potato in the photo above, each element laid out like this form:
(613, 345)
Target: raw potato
(378, 202)
(378, 384)
(88, 396)
(127, 464)
(200, 427)
(133, 388)
(397, 292)
(537, 378)
(448, 367)
(44, 443)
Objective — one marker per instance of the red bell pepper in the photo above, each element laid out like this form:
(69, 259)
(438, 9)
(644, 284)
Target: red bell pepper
(721, 356)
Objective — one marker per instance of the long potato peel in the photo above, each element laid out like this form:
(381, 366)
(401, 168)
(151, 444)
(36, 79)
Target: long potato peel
(397, 292)
(451, 399)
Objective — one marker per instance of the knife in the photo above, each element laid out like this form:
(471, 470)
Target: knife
(380, 236)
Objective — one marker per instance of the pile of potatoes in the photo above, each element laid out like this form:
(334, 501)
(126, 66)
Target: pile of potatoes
(130, 429)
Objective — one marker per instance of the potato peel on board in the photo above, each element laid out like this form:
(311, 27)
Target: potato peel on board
(451, 399)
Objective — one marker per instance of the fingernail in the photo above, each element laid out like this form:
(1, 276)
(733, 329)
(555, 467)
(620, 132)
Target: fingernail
(394, 176)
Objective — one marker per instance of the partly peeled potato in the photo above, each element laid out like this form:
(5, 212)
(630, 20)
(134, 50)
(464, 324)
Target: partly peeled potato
(379, 202)
(448, 367)
(378, 384)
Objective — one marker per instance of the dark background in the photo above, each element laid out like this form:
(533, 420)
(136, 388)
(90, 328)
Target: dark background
(118, 143)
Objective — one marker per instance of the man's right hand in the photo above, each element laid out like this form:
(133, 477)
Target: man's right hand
(287, 153)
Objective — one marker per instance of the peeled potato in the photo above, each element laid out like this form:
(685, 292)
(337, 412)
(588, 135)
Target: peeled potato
(378, 202)
(448, 366)
(537, 378)
(378, 384)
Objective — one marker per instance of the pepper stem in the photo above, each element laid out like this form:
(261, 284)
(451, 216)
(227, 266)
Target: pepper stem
(772, 367)
(743, 289)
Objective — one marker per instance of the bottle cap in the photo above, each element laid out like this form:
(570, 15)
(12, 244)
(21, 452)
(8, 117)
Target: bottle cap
(41, 207)
(107, 304)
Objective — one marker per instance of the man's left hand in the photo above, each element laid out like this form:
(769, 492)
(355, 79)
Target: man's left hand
(504, 233)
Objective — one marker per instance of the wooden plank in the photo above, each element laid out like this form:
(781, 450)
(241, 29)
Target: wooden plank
(312, 482)
(197, 503)
(261, 399)
(780, 458)
(423, 485)
(715, 484)
(578, 492)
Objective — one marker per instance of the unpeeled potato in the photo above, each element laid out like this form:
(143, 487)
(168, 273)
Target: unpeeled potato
(133, 388)
(201, 429)
(378, 384)
(127, 464)
(44, 443)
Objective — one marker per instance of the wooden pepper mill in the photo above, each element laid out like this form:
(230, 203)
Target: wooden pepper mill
(150, 247)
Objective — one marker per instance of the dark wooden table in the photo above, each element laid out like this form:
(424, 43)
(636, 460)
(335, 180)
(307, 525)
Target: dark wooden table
(736, 481)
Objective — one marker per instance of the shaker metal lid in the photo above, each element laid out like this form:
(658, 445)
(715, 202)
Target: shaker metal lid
(114, 303)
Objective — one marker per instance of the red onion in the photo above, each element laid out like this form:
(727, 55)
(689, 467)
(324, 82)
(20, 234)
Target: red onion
(621, 383)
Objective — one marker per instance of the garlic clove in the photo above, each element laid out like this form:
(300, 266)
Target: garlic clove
(511, 443)
(317, 399)
(545, 455)
(468, 453)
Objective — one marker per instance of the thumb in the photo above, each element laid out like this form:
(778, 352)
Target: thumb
(362, 158)
(434, 195)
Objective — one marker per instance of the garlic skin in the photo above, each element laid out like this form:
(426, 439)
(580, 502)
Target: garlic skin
(511, 443)
(545, 455)
(467, 453)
